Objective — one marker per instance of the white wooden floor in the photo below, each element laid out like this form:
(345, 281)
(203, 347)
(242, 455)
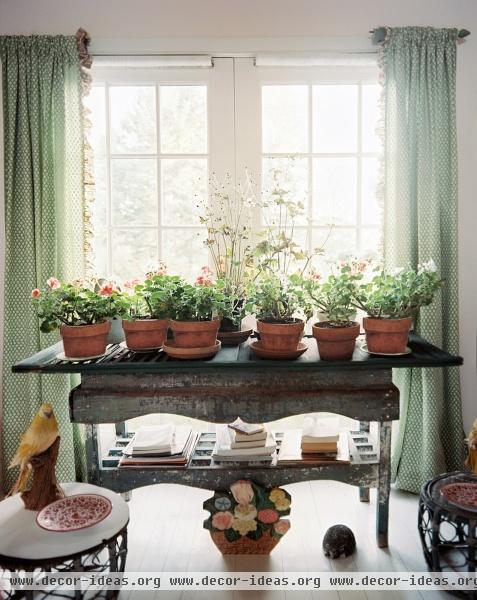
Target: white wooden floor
(166, 533)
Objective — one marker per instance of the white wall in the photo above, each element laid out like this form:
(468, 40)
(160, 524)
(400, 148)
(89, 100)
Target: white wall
(124, 24)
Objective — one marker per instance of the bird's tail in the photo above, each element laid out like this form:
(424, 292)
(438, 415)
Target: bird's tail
(21, 482)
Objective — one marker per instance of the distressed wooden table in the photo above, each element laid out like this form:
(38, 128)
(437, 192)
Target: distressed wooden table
(123, 385)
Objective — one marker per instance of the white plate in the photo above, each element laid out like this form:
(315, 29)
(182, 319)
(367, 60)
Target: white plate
(408, 350)
(62, 356)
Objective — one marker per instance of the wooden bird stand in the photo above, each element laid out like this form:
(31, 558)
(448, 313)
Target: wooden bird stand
(45, 488)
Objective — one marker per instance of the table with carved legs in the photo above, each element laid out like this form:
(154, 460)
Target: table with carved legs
(123, 385)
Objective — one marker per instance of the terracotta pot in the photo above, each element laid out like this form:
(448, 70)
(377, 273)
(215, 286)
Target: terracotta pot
(195, 334)
(335, 343)
(145, 334)
(83, 341)
(387, 336)
(280, 336)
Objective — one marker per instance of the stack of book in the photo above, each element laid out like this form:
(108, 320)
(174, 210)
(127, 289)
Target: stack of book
(160, 446)
(320, 437)
(244, 443)
(319, 442)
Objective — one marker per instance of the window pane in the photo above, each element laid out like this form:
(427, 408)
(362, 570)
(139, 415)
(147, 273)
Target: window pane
(339, 244)
(99, 251)
(291, 175)
(370, 243)
(334, 191)
(183, 119)
(184, 252)
(285, 118)
(133, 119)
(133, 251)
(134, 191)
(184, 190)
(96, 102)
(370, 211)
(335, 118)
(370, 96)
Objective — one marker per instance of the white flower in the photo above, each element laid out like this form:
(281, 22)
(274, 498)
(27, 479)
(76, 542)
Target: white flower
(397, 271)
(429, 266)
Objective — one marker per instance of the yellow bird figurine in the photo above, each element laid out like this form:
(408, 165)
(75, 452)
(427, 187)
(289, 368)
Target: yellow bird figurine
(41, 434)
(471, 461)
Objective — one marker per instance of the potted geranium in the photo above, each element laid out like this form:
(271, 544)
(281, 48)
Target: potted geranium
(391, 300)
(194, 315)
(275, 301)
(148, 310)
(336, 335)
(78, 312)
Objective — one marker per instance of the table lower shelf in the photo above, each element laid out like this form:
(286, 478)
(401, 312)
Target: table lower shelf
(203, 472)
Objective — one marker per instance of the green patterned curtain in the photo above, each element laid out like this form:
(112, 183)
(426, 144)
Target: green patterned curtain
(43, 134)
(420, 223)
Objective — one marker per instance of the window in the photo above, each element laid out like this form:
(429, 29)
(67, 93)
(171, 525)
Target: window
(157, 135)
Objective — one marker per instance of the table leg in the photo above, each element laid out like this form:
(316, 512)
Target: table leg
(121, 429)
(93, 454)
(363, 489)
(384, 483)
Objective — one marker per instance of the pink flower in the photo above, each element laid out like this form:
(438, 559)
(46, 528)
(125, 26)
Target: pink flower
(222, 520)
(53, 283)
(35, 293)
(107, 289)
(268, 515)
(159, 271)
(242, 491)
(205, 277)
(281, 527)
(131, 284)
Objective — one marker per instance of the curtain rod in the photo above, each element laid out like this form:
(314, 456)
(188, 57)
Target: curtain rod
(379, 34)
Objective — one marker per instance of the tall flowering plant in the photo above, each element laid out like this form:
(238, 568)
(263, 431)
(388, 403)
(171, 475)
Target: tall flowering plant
(248, 510)
(227, 218)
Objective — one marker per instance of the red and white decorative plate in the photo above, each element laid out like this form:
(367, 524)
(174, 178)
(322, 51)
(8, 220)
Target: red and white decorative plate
(74, 512)
(461, 494)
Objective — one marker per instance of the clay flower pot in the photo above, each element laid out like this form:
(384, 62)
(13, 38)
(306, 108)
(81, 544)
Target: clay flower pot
(387, 336)
(280, 336)
(83, 341)
(145, 334)
(195, 334)
(335, 343)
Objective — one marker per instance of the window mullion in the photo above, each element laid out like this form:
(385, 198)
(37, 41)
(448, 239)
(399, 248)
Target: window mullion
(109, 219)
(359, 174)
(159, 174)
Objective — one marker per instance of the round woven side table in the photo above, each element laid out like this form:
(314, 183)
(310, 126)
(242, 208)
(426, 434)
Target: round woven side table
(447, 523)
(24, 546)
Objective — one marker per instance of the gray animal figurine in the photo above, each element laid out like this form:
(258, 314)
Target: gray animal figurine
(338, 541)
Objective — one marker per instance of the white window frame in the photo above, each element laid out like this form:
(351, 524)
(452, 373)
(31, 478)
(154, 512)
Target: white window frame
(220, 153)
(248, 82)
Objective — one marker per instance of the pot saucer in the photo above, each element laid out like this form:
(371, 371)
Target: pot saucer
(408, 350)
(140, 350)
(191, 353)
(257, 348)
(62, 356)
(233, 338)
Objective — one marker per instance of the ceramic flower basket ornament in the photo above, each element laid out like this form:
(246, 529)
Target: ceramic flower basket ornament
(392, 300)
(78, 312)
(248, 518)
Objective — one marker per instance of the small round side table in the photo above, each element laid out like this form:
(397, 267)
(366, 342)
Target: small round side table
(448, 529)
(25, 546)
